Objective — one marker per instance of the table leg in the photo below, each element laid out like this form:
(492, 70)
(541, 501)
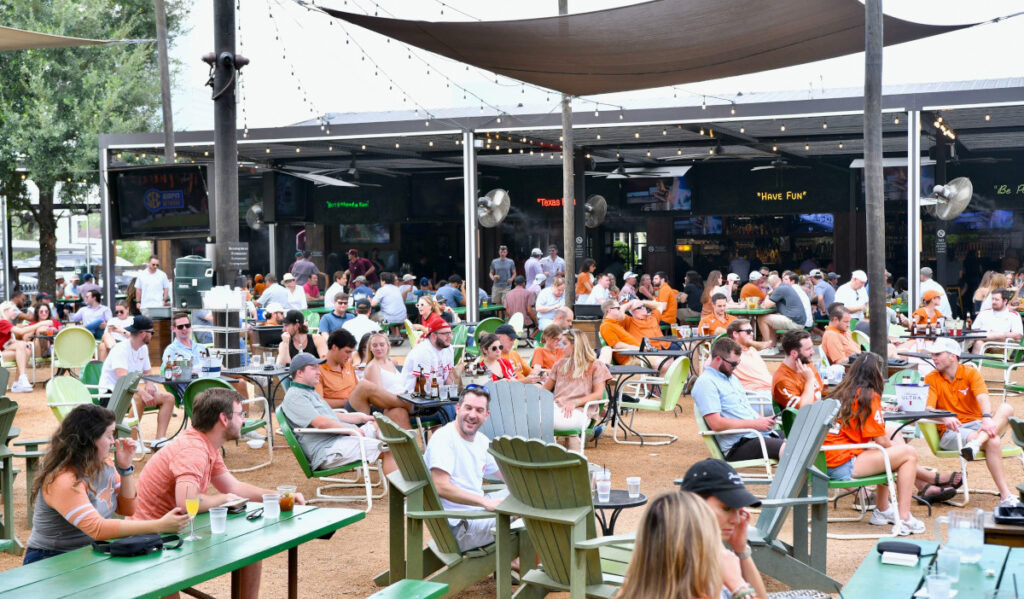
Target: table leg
(236, 584)
(293, 573)
(599, 516)
(611, 522)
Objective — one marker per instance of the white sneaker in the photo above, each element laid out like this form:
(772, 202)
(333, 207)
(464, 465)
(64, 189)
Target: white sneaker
(21, 387)
(880, 518)
(1010, 501)
(158, 443)
(141, 448)
(771, 351)
(912, 526)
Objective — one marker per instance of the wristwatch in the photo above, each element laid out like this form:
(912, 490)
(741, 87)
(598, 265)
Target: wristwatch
(986, 415)
(747, 552)
(130, 470)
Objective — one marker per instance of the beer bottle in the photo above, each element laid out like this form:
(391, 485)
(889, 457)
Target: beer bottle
(435, 389)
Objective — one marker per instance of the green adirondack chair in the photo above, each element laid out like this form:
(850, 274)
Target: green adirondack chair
(800, 564)
(930, 431)
(518, 409)
(360, 467)
(414, 503)
(8, 541)
(549, 489)
(123, 408)
(671, 390)
(711, 440)
(197, 386)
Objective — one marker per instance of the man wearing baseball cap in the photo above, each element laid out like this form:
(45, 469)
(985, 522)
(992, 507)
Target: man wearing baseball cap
(304, 408)
(854, 294)
(537, 285)
(722, 489)
(358, 266)
(824, 292)
(752, 289)
(361, 324)
(432, 357)
(532, 266)
(508, 337)
(628, 290)
(929, 284)
(976, 427)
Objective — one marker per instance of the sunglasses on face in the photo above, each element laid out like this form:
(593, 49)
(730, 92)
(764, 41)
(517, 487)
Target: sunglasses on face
(182, 327)
(731, 363)
(497, 347)
(121, 311)
(751, 331)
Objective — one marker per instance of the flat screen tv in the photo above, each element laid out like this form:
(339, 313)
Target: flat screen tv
(292, 199)
(366, 233)
(698, 225)
(667, 193)
(822, 222)
(164, 202)
(984, 220)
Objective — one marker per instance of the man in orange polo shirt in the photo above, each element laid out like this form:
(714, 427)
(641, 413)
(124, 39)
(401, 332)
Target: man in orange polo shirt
(643, 320)
(667, 296)
(796, 382)
(961, 389)
(617, 337)
(716, 322)
(752, 289)
(340, 387)
(837, 342)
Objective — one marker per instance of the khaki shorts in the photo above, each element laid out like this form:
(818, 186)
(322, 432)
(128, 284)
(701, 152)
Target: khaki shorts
(345, 448)
(779, 322)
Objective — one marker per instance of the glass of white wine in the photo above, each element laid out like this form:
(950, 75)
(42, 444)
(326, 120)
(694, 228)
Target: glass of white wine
(192, 507)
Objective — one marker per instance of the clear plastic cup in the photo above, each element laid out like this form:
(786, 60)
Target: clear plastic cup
(218, 520)
(633, 486)
(272, 505)
(287, 493)
(939, 586)
(604, 491)
(268, 360)
(948, 563)
(256, 360)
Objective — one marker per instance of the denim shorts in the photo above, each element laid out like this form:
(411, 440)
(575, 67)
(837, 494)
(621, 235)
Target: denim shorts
(34, 555)
(843, 471)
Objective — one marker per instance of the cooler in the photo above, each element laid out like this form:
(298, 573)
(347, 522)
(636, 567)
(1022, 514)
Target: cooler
(192, 276)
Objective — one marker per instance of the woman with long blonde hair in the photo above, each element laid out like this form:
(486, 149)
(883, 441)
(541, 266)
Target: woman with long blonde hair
(576, 380)
(679, 554)
(999, 281)
(983, 290)
(713, 281)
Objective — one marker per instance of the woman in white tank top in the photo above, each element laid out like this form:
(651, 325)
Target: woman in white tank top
(376, 355)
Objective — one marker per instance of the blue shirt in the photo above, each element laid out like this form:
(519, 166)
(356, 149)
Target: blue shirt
(827, 293)
(85, 314)
(451, 295)
(361, 292)
(331, 321)
(716, 394)
(177, 348)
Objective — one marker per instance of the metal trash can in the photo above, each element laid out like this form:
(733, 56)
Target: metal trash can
(192, 276)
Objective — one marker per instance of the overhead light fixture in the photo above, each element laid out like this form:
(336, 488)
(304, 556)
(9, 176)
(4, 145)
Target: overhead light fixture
(988, 117)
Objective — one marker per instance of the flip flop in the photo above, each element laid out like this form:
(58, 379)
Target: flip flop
(942, 494)
(953, 476)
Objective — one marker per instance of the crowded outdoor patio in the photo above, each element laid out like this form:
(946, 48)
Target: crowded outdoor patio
(763, 345)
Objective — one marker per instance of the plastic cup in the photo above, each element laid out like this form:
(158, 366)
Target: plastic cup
(257, 360)
(604, 491)
(218, 520)
(268, 360)
(948, 563)
(633, 486)
(287, 493)
(939, 586)
(271, 505)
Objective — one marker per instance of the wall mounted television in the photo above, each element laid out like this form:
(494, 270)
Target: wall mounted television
(160, 201)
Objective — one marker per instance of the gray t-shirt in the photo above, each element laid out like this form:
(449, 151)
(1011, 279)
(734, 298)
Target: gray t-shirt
(53, 532)
(301, 406)
(789, 303)
(503, 267)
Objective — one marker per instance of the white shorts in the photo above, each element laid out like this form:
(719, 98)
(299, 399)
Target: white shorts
(477, 532)
(576, 421)
(948, 439)
(345, 449)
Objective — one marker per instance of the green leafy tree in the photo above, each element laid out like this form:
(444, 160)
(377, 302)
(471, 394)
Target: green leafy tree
(55, 102)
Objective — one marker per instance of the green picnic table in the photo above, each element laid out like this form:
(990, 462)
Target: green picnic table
(902, 581)
(85, 572)
(750, 311)
(901, 307)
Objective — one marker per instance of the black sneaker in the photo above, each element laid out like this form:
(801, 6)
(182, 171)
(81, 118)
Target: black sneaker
(967, 452)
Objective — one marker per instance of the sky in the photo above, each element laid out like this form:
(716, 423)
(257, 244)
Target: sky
(302, 67)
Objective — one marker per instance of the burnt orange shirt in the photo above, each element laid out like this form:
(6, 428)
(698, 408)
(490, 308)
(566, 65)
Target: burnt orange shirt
(850, 433)
(709, 325)
(337, 385)
(788, 386)
(545, 358)
(668, 295)
(838, 345)
(959, 395)
(752, 290)
(522, 370)
(647, 327)
(582, 281)
(613, 332)
(921, 317)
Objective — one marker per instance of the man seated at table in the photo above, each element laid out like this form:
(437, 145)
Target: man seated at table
(960, 389)
(274, 293)
(562, 318)
(1000, 323)
(192, 462)
(133, 356)
(432, 357)
(667, 296)
(182, 345)
(342, 389)
(452, 292)
(549, 300)
(791, 315)
(337, 317)
(716, 322)
(305, 408)
(752, 371)
(644, 320)
(520, 300)
(723, 402)
(15, 350)
(362, 324)
(93, 315)
(752, 288)
(796, 382)
(837, 342)
(617, 337)
(458, 460)
(389, 298)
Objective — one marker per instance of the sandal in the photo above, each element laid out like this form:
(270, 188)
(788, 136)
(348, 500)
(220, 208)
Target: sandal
(955, 480)
(942, 494)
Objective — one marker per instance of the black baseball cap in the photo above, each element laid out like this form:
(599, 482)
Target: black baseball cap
(140, 324)
(506, 329)
(715, 477)
(294, 317)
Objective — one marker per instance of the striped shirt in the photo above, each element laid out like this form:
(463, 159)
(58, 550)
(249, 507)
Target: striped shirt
(70, 514)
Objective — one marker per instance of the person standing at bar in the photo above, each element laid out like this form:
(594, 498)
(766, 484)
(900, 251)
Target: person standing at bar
(503, 271)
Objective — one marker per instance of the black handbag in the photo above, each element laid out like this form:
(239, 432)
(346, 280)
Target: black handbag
(137, 544)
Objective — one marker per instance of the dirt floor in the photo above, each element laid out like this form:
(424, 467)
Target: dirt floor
(345, 565)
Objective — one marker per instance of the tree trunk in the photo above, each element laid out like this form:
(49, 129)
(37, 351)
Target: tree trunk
(47, 224)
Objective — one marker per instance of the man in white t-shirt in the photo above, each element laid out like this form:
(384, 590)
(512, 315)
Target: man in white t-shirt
(133, 356)
(854, 294)
(458, 460)
(362, 323)
(408, 286)
(153, 286)
(433, 356)
(389, 298)
(336, 287)
(601, 290)
(296, 295)
(1000, 323)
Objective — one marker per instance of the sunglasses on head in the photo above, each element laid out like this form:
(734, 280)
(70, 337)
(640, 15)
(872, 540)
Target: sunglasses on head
(182, 327)
(478, 389)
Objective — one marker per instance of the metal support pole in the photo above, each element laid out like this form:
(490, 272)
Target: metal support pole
(5, 219)
(568, 192)
(913, 208)
(225, 144)
(874, 208)
(470, 195)
(107, 248)
(165, 79)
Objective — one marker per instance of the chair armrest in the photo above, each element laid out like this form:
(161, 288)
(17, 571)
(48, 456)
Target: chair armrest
(492, 487)
(331, 431)
(628, 537)
(791, 501)
(31, 443)
(730, 431)
(435, 514)
(258, 400)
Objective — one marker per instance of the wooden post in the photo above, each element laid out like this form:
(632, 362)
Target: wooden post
(874, 209)
(568, 192)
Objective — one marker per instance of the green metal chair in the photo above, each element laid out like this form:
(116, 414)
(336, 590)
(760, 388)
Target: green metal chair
(414, 505)
(197, 386)
(90, 377)
(711, 441)
(73, 347)
(930, 431)
(359, 466)
(549, 489)
(589, 430)
(671, 391)
(862, 340)
(485, 326)
(313, 321)
(65, 393)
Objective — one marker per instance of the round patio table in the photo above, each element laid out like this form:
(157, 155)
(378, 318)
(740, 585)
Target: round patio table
(618, 500)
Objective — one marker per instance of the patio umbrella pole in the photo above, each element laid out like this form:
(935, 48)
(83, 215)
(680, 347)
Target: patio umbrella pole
(873, 176)
(568, 191)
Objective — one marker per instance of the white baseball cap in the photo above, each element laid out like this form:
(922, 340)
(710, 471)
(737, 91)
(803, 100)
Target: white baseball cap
(945, 344)
(629, 275)
(540, 278)
(733, 277)
(860, 275)
(536, 252)
(755, 275)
